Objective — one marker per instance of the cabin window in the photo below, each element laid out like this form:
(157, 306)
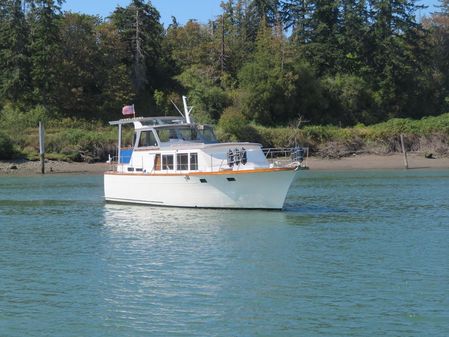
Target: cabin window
(164, 135)
(194, 161)
(167, 162)
(206, 134)
(189, 134)
(147, 138)
(182, 161)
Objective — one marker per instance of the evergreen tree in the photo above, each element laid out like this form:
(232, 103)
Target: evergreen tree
(79, 92)
(322, 47)
(138, 25)
(45, 50)
(267, 86)
(438, 26)
(296, 16)
(230, 39)
(398, 57)
(112, 76)
(354, 37)
(14, 67)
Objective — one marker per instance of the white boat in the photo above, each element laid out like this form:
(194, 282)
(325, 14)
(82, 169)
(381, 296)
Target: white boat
(176, 162)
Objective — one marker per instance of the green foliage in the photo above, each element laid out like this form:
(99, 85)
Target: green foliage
(45, 51)
(208, 99)
(79, 92)
(267, 88)
(351, 100)
(234, 126)
(189, 44)
(6, 147)
(13, 119)
(423, 127)
(14, 58)
(139, 28)
(341, 63)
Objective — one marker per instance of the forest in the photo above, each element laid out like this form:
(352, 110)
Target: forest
(264, 63)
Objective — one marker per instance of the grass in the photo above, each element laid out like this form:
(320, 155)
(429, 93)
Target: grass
(430, 134)
(79, 140)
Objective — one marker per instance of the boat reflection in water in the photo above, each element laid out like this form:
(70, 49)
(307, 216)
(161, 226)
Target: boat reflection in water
(135, 219)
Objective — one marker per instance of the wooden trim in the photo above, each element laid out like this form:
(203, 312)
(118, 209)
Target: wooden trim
(205, 174)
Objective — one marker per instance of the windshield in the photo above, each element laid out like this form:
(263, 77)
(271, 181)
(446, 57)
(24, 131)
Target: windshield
(199, 133)
(206, 133)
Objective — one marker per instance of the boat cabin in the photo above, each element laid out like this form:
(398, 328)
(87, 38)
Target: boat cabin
(170, 145)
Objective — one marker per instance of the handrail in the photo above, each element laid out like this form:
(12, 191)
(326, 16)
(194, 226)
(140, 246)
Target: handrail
(280, 157)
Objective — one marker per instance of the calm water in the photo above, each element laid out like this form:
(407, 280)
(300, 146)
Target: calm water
(354, 254)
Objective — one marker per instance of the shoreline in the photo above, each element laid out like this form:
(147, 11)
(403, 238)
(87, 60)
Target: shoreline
(355, 162)
(378, 162)
(52, 167)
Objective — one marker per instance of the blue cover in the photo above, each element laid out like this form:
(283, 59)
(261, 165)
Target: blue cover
(125, 156)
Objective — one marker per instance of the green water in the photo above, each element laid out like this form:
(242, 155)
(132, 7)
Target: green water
(353, 254)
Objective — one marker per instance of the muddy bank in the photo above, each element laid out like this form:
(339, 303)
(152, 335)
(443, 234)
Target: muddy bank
(25, 167)
(354, 162)
(372, 161)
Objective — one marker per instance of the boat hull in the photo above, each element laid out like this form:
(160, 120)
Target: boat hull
(257, 189)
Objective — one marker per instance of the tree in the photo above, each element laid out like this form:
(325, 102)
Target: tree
(205, 94)
(14, 67)
(189, 45)
(354, 29)
(266, 85)
(45, 50)
(231, 45)
(296, 16)
(322, 46)
(139, 27)
(350, 100)
(81, 65)
(398, 58)
(112, 77)
(438, 26)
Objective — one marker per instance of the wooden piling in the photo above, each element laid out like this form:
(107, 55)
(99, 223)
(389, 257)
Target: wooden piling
(42, 146)
(403, 151)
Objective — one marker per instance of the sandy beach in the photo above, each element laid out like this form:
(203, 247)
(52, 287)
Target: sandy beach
(358, 162)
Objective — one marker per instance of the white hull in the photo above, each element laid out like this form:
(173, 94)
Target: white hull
(257, 189)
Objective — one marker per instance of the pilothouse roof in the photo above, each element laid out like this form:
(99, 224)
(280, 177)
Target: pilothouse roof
(151, 121)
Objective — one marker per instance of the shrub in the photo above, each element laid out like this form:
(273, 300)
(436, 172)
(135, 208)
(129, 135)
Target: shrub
(6, 147)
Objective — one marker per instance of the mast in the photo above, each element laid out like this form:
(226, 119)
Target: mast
(187, 110)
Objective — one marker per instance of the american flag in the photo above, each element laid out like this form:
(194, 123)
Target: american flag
(128, 110)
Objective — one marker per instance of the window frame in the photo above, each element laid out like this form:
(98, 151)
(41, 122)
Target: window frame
(167, 166)
(185, 165)
(152, 135)
(193, 167)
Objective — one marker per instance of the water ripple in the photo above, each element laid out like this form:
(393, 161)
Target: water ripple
(353, 254)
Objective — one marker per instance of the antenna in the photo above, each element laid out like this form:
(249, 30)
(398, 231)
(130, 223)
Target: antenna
(177, 108)
(187, 110)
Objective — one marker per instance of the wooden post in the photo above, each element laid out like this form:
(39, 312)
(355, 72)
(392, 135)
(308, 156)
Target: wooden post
(42, 146)
(403, 151)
